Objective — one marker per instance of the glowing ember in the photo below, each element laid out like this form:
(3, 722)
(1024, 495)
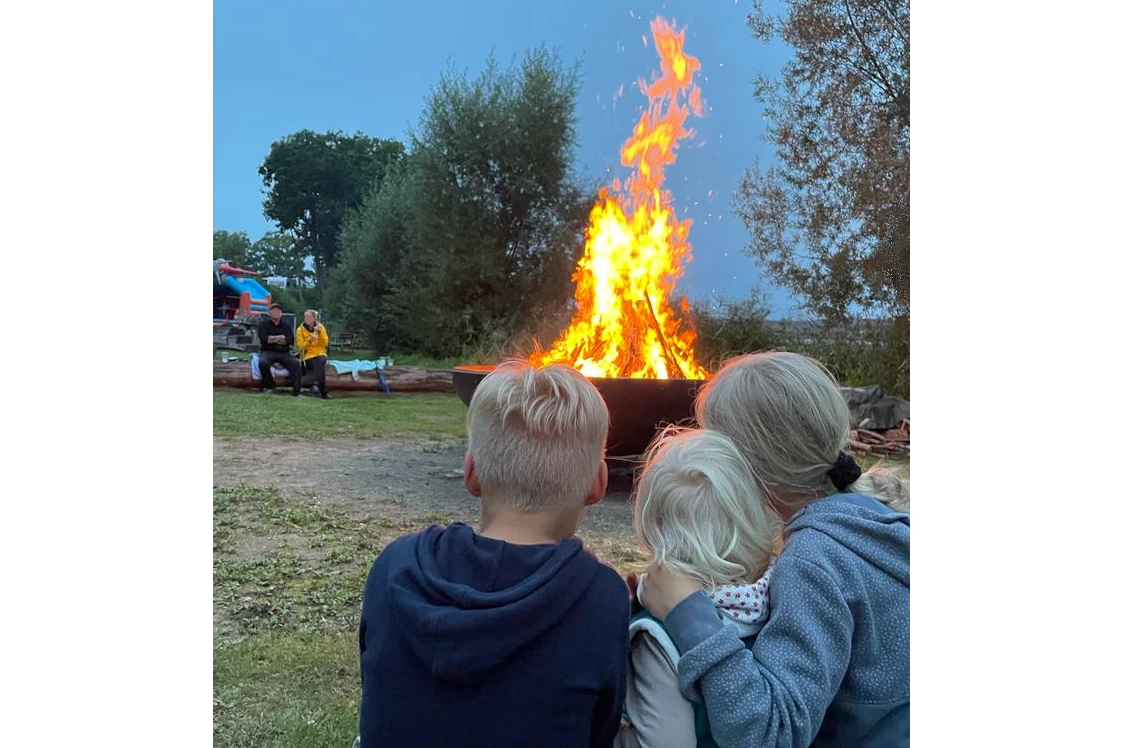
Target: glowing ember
(625, 325)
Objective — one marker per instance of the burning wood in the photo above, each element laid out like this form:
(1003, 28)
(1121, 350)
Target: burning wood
(675, 368)
(894, 441)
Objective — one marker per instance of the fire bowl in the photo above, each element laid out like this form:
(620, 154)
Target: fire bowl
(637, 408)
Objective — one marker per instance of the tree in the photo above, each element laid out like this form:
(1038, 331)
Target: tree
(476, 241)
(277, 254)
(231, 247)
(375, 239)
(831, 220)
(313, 179)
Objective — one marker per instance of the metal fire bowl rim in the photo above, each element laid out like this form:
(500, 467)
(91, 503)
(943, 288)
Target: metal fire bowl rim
(488, 368)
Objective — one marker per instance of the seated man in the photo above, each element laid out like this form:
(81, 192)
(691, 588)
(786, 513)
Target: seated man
(276, 341)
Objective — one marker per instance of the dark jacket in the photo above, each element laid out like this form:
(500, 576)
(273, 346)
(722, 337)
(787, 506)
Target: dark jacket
(266, 328)
(469, 641)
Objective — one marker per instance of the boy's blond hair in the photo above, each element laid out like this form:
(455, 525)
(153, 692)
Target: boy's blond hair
(699, 512)
(537, 437)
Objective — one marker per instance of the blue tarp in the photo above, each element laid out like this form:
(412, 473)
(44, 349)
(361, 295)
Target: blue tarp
(354, 367)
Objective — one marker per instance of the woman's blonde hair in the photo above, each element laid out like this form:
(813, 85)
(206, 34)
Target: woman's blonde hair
(788, 418)
(698, 510)
(537, 436)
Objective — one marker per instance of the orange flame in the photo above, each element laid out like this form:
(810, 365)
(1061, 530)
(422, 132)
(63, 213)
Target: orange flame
(635, 247)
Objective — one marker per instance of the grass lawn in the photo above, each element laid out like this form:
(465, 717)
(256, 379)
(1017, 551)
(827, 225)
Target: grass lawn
(287, 688)
(288, 581)
(288, 573)
(288, 585)
(439, 416)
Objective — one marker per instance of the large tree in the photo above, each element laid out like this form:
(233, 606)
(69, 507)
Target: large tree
(477, 240)
(313, 179)
(830, 221)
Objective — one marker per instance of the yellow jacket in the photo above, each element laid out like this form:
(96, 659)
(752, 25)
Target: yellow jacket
(310, 346)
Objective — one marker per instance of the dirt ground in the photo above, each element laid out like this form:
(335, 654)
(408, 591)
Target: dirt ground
(398, 479)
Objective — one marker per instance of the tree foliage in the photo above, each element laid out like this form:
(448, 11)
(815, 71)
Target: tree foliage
(375, 239)
(831, 220)
(232, 247)
(474, 240)
(313, 179)
(277, 254)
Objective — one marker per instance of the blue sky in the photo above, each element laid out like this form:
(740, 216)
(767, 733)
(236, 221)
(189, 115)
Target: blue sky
(284, 65)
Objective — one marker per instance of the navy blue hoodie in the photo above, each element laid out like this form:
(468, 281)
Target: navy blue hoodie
(470, 641)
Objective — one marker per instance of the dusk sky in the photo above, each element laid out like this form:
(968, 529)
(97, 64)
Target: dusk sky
(285, 65)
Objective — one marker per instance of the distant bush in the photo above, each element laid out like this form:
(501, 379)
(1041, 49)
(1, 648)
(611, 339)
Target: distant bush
(295, 301)
(859, 354)
(730, 328)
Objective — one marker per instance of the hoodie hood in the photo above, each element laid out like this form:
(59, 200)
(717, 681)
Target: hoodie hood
(467, 603)
(865, 526)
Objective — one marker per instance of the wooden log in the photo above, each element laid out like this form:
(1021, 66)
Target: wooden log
(399, 378)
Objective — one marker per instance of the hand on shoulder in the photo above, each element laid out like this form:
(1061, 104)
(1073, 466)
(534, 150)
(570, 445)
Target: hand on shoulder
(663, 589)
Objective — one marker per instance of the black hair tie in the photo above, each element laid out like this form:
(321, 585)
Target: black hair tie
(845, 471)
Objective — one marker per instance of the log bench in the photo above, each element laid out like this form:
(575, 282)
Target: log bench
(398, 378)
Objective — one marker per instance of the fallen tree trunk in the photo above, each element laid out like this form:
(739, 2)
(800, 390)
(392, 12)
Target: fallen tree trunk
(398, 378)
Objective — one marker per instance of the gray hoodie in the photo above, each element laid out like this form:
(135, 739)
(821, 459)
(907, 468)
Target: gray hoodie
(831, 666)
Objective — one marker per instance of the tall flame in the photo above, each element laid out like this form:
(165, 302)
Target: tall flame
(635, 247)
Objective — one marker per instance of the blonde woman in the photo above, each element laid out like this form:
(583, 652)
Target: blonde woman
(831, 665)
(312, 343)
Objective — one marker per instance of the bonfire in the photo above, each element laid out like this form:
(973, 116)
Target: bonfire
(626, 324)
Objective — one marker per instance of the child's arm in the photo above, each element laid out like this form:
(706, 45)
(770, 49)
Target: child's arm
(659, 716)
